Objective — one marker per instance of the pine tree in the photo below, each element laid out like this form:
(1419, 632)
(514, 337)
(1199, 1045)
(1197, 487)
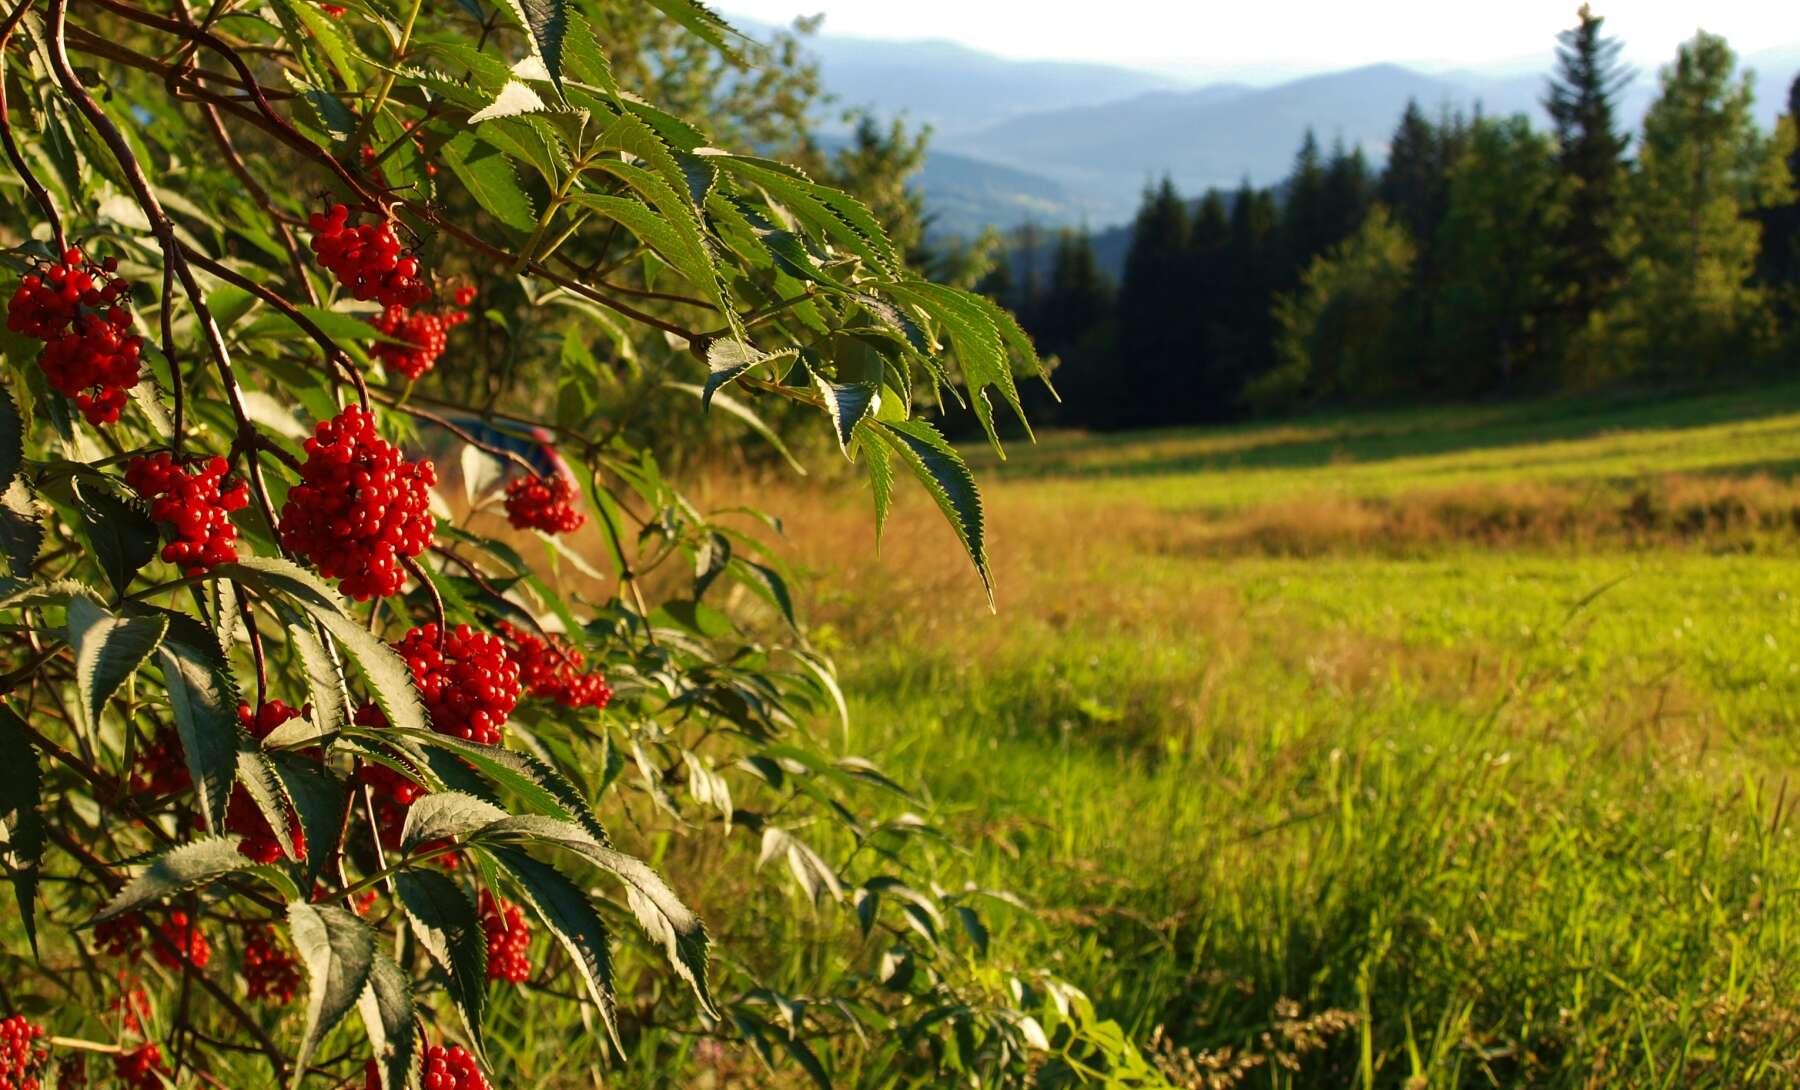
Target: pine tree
(1242, 345)
(1210, 281)
(1348, 191)
(1156, 357)
(1780, 264)
(1303, 225)
(1588, 80)
(1412, 183)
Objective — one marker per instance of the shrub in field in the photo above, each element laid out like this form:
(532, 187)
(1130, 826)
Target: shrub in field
(303, 773)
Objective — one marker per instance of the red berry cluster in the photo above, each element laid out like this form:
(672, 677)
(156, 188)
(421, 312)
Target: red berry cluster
(336, 11)
(270, 972)
(451, 1068)
(160, 768)
(368, 259)
(78, 310)
(242, 815)
(425, 335)
(191, 500)
(465, 678)
(551, 669)
(508, 940)
(543, 503)
(141, 1069)
(359, 507)
(22, 1058)
(185, 943)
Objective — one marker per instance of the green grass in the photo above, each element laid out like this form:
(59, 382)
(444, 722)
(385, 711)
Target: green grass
(1522, 809)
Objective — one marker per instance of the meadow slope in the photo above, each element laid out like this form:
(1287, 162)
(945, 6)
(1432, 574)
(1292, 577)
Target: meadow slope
(1435, 749)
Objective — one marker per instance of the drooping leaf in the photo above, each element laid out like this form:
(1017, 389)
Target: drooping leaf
(318, 801)
(702, 21)
(204, 703)
(178, 870)
(489, 177)
(847, 404)
(390, 1019)
(21, 786)
(514, 99)
(547, 22)
(338, 950)
(571, 917)
(727, 358)
(881, 473)
(12, 438)
(941, 470)
(108, 649)
(21, 531)
(256, 774)
(659, 911)
(449, 928)
(383, 669)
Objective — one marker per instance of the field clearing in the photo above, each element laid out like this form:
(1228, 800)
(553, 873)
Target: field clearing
(1434, 749)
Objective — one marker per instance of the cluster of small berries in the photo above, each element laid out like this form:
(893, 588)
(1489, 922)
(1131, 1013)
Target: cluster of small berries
(425, 336)
(22, 1057)
(508, 940)
(182, 942)
(359, 507)
(543, 503)
(242, 815)
(336, 11)
(78, 310)
(141, 1068)
(270, 972)
(465, 678)
(160, 769)
(192, 502)
(367, 259)
(551, 670)
(451, 1068)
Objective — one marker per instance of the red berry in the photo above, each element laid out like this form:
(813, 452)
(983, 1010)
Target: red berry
(468, 683)
(141, 1069)
(551, 670)
(270, 973)
(543, 503)
(160, 768)
(22, 1058)
(465, 294)
(508, 940)
(359, 507)
(185, 943)
(76, 308)
(425, 335)
(366, 259)
(192, 503)
(336, 11)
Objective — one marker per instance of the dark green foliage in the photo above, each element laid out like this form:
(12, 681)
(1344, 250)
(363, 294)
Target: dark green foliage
(1591, 153)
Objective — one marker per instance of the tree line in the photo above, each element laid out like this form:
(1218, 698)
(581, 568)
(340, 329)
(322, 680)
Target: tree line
(1485, 258)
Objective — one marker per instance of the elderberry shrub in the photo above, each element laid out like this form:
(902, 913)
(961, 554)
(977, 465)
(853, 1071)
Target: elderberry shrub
(543, 503)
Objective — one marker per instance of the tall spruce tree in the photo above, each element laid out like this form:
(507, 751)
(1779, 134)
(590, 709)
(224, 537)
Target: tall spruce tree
(1591, 152)
(1209, 278)
(1156, 357)
(1780, 264)
(1243, 346)
(1347, 193)
(1303, 215)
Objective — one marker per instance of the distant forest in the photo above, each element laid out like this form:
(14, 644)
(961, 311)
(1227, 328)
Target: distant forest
(1483, 259)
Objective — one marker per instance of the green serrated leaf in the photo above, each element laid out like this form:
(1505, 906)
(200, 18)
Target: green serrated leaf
(547, 23)
(204, 703)
(447, 815)
(659, 911)
(566, 911)
(383, 669)
(108, 649)
(21, 530)
(941, 470)
(338, 950)
(881, 473)
(534, 781)
(449, 928)
(12, 438)
(847, 406)
(21, 787)
(390, 1019)
(318, 800)
(120, 531)
(178, 870)
(489, 177)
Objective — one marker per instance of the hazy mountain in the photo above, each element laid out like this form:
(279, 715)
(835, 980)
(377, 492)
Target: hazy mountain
(954, 88)
(1067, 144)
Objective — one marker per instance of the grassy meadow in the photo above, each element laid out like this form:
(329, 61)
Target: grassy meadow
(1447, 748)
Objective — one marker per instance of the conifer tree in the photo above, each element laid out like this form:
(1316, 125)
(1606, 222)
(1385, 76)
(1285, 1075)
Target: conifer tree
(1348, 191)
(1155, 355)
(1591, 152)
(1303, 220)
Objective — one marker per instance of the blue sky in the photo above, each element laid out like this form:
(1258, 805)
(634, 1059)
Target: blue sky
(1202, 36)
